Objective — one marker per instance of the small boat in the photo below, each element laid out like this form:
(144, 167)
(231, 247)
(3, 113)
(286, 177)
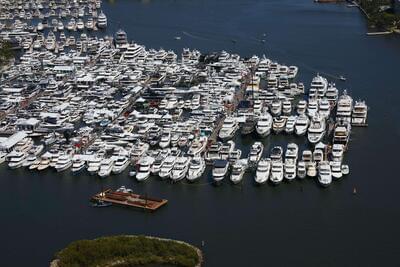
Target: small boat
(101, 204)
(342, 78)
(345, 169)
(177, 37)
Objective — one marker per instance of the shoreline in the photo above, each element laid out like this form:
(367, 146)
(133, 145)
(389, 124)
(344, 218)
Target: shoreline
(55, 262)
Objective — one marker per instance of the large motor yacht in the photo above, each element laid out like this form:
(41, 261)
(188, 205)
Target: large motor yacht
(263, 171)
(316, 131)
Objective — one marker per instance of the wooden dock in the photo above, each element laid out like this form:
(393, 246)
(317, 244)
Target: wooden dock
(129, 200)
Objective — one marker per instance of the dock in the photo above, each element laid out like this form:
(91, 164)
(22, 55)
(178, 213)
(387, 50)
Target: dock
(127, 199)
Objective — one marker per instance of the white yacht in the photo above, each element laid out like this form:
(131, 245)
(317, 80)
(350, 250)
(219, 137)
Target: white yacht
(106, 167)
(255, 154)
(157, 164)
(332, 94)
(292, 151)
(94, 165)
(71, 26)
(276, 153)
(276, 175)
(40, 26)
(286, 107)
(337, 152)
(198, 146)
(228, 129)
(301, 107)
(165, 140)
(336, 169)
(121, 163)
(279, 124)
(318, 87)
(238, 170)
(301, 125)
(264, 124)
(60, 26)
(306, 156)
(30, 159)
(263, 171)
(301, 169)
(311, 169)
(318, 155)
(341, 133)
(63, 163)
(121, 39)
(102, 20)
(324, 174)
(167, 167)
(144, 168)
(345, 169)
(180, 169)
(197, 166)
(226, 149)
(89, 24)
(360, 111)
(344, 106)
(312, 107)
(220, 170)
(80, 25)
(316, 131)
(44, 161)
(276, 107)
(324, 108)
(78, 165)
(213, 152)
(290, 124)
(290, 169)
(17, 159)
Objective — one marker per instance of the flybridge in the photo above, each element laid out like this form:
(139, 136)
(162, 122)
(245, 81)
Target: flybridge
(9, 143)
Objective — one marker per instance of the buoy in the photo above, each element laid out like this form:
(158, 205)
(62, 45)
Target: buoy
(354, 191)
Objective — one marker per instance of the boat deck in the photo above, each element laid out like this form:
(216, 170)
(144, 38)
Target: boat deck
(130, 200)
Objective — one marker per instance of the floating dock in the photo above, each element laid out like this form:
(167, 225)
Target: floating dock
(127, 199)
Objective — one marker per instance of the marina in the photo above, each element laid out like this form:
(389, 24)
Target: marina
(247, 145)
(109, 104)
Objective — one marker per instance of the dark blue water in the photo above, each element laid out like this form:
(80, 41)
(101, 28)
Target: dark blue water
(296, 224)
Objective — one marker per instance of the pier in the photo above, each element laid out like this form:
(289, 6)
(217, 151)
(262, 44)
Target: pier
(127, 199)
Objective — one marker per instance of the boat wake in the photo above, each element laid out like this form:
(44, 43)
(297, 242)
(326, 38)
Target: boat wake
(196, 36)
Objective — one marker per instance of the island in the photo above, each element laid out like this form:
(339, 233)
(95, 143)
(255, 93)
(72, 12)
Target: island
(127, 250)
(382, 15)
